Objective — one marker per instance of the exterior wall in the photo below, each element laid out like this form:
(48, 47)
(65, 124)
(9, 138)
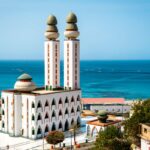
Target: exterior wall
(92, 130)
(27, 112)
(145, 144)
(114, 108)
(72, 64)
(56, 108)
(7, 109)
(52, 64)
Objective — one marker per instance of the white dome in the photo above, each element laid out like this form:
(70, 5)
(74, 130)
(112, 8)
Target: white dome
(24, 86)
(24, 83)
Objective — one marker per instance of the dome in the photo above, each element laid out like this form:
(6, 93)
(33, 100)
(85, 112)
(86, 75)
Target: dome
(102, 113)
(71, 26)
(24, 83)
(51, 20)
(51, 28)
(24, 77)
(71, 18)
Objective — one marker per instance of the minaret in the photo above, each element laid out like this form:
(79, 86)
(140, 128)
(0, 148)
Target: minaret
(52, 55)
(71, 54)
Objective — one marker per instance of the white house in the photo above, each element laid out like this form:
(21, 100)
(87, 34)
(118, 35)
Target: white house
(31, 111)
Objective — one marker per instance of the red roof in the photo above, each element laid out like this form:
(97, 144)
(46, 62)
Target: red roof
(103, 100)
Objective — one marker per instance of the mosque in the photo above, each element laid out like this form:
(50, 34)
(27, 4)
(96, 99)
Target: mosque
(31, 111)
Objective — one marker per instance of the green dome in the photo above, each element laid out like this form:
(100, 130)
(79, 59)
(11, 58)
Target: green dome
(102, 113)
(25, 77)
(51, 20)
(71, 18)
(52, 28)
(71, 26)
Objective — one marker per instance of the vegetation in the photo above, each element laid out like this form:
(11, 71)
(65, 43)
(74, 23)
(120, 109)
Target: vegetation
(55, 137)
(111, 139)
(141, 114)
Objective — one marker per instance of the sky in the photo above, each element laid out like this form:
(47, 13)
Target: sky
(109, 29)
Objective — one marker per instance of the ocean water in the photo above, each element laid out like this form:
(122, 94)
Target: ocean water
(128, 79)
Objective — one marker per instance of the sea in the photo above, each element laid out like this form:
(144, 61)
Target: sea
(125, 79)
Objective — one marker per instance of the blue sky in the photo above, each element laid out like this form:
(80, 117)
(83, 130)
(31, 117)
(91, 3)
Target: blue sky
(110, 29)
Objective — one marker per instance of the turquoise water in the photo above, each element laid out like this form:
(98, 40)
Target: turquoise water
(129, 79)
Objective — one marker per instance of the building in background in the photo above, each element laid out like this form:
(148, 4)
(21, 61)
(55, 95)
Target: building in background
(110, 105)
(145, 136)
(31, 111)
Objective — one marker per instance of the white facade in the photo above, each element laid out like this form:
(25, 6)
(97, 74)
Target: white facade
(52, 64)
(112, 108)
(145, 144)
(71, 64)
(33, 115)
(92, 130)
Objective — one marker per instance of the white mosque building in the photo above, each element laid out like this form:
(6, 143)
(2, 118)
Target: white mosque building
(31, 111)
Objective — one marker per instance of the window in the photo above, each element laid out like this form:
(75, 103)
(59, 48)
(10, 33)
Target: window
(53, 114)
(39, 117)
(46, 129)
(39, 131)
(66, 112)
(33, 131)
(60, 101)
(145, 130)
(46, 104)
(33, 105)
(72, 110)
(39, 105)
(72, 122)
(3, 124)
(3, 101)
(78, 98)
(53, 102)
(66, 100)
(46, 116)
(78, 109)
(60, 113)
(3, 113)
(72, 99)
(33, 118)
(60, 125)
(53, 127)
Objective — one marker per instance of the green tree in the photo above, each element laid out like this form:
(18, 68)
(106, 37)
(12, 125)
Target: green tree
(141, 114)
(111, 139)
(55, 137)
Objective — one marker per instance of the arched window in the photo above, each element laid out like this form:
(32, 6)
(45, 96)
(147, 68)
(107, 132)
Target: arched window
(33, 118)
(66, 125)
(46, 129)
(3, 124)
(53, 114)
(66, 111)
(33, 131)
(46, 116)
(60, 101)
(39, 131)
(60, 125)
(53, 102)
(53, 127)
(39, 117)
(66, 100)
(46, 104)
(39, 105)
(60, 113)
(88, 130)
(72, 110)
(78, 121)
(3, 101)
(3, 113)
(33, 105)
(72, 122)
(78, 98)
(78, 108)
(72, 99)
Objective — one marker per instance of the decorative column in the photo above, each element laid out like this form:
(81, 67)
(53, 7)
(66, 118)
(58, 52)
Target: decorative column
(71, 54)
(52, 55)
